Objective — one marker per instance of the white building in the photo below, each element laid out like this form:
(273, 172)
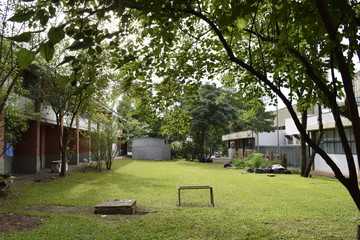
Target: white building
(286, 139)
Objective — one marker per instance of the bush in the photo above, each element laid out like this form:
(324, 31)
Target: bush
(254, 160)
(239, 162)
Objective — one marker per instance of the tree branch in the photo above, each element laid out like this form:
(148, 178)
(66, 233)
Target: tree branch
(267, 82)
(348, 86)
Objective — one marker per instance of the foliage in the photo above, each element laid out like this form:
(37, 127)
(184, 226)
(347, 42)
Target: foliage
(17, 111)
(132, 126)
(255, 206)
(9, 72)
(253, 116)
(210, 112)
(104, 139)
(13, 111)
(184, 149)
(276, 47)
(254, 160)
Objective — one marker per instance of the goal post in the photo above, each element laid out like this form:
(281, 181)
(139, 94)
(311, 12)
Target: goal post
(194, 193)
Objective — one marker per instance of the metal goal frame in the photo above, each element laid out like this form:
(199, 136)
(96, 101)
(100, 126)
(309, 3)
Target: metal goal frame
(196, 187)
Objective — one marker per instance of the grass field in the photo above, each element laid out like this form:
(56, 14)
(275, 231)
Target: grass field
(247, 206)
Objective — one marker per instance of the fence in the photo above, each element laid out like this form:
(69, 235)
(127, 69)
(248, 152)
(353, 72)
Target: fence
(293, 153)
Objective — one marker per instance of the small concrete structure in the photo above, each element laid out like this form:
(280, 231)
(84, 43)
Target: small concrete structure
(151, 149)
(56, 166)
(117, 206)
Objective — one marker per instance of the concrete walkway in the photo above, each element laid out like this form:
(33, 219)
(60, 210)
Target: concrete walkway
(45, 174)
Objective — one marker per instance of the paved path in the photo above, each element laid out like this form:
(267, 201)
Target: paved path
(45, 174)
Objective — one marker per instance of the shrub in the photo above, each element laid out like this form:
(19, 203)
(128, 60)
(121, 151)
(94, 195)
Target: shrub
(254, 160)
(239, 162)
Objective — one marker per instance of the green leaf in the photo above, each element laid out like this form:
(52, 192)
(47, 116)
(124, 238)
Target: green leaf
(52, 10)
(47, 51)
(56, 34)
(25, 58)
(279, 6)
(24, 37)
(91, 51)
(44, 20)
(39, 14)
(241, 23)
(70, 30)
(63, 80)
(98, 50)
(78, 45)
(67, 59)
(22, 16)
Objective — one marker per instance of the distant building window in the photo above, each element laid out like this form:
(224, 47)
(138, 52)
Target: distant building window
(331, 141)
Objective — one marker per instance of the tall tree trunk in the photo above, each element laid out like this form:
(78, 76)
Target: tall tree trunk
(353, 189)
(202, 144)
(318, 142)
(303, 143)
(62, 147)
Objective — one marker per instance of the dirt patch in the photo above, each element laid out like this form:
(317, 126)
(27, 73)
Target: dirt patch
(56, 209)
(17, 222)
(85, 210)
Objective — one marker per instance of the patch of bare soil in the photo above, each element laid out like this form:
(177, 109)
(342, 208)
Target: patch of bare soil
(56, 209)
(85, 210)
(17, 222)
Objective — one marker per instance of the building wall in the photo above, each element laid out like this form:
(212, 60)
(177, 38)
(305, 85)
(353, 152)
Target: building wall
(271, 138)
(26, 157)
(73, 155)
(321, 167)
(84, 147)
(151, 149)
(51, 145)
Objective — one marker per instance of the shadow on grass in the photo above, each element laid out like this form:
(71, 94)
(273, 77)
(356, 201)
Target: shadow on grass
(85, 188)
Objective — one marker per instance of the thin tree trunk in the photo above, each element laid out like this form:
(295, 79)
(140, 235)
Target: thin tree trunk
(303, 143)
(62, 147)
(318, 142)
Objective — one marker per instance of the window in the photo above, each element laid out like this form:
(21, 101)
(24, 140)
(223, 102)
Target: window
(331, 141)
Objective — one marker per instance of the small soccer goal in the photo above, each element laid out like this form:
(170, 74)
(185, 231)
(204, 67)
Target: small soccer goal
(195, 196)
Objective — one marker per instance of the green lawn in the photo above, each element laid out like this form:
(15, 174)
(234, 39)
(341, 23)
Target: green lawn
(247, 206)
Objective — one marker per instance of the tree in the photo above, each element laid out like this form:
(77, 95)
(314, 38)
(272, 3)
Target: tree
(255, 35)
(318, 139)
(253, 116)
(266, 44)
(67, 97)
(133, 127)
(13, 112)
(104, 135)
(210, 112)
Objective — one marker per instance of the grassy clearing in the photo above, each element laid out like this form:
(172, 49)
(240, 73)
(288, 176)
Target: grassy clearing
(248, 206)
